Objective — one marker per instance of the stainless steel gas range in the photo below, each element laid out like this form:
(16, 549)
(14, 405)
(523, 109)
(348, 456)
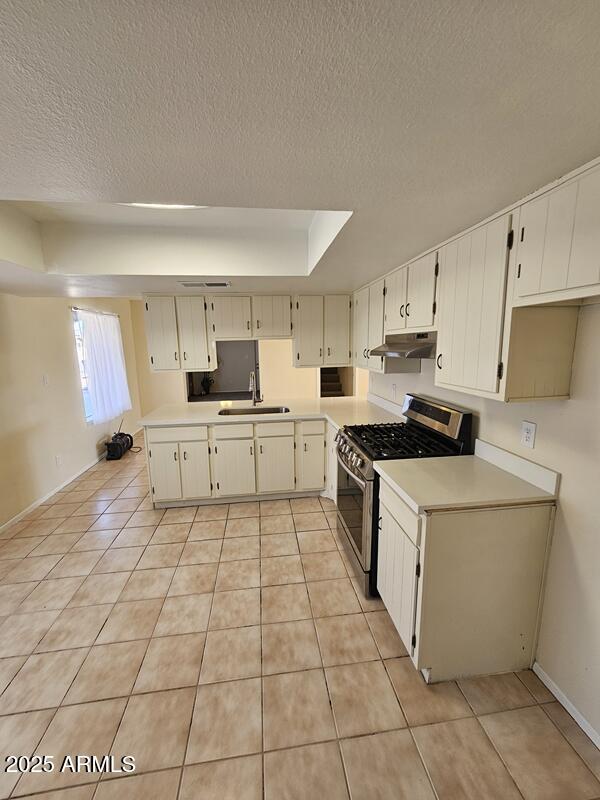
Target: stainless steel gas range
(432, 428)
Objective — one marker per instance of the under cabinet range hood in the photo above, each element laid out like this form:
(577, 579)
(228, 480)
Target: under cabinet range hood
(407, 345)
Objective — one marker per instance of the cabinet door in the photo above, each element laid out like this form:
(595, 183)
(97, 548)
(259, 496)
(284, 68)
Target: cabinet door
(360, 328)
(231, 317)
(530, 246)
(195, 469)
(308, 334)
(395, 300)
(397, 559)
(337, 329)
(164, 471)
(313, 462)
(472, 298)
(271, 316)
(161, 333)
(584, 266)
(275, 468)
(234, 467)
(420, 292)
(191, 320)
(558, 238)
(376, 307)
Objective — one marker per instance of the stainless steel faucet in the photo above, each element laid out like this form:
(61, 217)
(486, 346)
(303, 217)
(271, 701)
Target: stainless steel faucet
(255, 398)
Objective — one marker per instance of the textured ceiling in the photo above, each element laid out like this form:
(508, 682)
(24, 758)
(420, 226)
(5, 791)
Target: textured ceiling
(422, 117)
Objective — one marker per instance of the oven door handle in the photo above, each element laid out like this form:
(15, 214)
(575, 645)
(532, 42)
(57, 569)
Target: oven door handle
(360, 482)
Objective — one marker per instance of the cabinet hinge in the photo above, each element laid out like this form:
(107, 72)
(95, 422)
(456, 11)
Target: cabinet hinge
(291, 326)
(208, 449)
(291, 305)
(519, 271)
(212, 306)
(500, 372)
(205, 306)
(153, 490)
(211, 486)
(510, 239)
(437, 269)
(146, 306)
(418, 571)
(522, 233)
(216, 452)
(213, 328)
(413, 641)
(384, 291)
(152, 359)
(434, 307)
(294, 445)
(209, 358)
(294, 480)
(297, 356)
(297, 306)
(149, 453)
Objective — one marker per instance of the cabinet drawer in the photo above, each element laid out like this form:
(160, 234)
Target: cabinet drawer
(408, 521)
(312, 426)
(274, 429)
(178, 433)
(245, 431)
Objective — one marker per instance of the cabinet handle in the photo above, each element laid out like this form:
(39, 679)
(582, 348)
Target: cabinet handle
(379, 523)
(402, 310)
(320, 352)
(257, 324)
(369, 353)
(519, 271)
(184, 356)
(248, 324)
(329, 351)
(185, 455)
(365, 353)
(251, 450)
(176, 357)
(407, 307)
(260, 448)
(305, 448)
(175, 455)
(438, 361)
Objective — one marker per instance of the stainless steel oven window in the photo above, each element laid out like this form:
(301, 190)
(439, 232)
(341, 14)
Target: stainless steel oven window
(354, 498)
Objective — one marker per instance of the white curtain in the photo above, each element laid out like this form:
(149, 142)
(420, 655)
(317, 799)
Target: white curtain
(105, 365)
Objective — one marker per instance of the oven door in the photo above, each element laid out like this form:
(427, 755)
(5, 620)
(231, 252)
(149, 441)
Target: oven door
(354, 501)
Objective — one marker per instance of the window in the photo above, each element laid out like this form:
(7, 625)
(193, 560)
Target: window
(101, 363)
(87, 403)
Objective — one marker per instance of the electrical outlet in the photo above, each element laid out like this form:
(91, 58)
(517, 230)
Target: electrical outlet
(528, 430)
(58, 460)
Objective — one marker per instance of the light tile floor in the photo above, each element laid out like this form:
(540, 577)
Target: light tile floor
(227, 649)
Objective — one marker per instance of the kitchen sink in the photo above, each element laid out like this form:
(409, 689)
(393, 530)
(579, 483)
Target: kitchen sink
(228, 412)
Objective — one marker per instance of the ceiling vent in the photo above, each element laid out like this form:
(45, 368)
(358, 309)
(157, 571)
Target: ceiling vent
(205, 284)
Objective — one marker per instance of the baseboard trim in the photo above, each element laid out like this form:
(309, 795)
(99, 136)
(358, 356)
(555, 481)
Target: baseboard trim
(18, 517)
(564, 701)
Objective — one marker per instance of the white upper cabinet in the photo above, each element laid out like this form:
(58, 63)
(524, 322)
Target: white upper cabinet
(558, 240)
(543, 241)
(360, 328)
(584, 266)
(472, 298)
(395, 300)
(230, 317)
(376, 303)
(420, 292)
(308, 331)
(271, 317)
(410, 296)
(336, 343)
(161, 333)
(193, 340)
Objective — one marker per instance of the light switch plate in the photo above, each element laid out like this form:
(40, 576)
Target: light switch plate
(528, 430)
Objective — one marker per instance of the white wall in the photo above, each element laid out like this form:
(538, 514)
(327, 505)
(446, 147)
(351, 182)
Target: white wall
(40, 421)
(568, 440)
(278, 378)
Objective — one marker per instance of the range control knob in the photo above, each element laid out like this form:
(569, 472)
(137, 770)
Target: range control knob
(359, 462)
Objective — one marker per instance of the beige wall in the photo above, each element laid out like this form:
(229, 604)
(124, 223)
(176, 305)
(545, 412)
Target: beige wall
(278, 378)
(156, 388)
(568, 440)
(37, 421)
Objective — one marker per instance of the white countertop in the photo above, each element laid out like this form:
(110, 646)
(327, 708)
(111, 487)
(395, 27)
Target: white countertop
(337, 410)
(430, 484)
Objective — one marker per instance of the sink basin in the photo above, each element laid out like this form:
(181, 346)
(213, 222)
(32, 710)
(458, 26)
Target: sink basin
(229, 412)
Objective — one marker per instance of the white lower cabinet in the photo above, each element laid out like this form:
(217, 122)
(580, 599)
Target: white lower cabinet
(195, 469)
(234, 467)
(312, 461)
(275, 467)
(164, 471)
(397, 560)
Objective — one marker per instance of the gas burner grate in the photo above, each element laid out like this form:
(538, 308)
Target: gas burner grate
(399, 440)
